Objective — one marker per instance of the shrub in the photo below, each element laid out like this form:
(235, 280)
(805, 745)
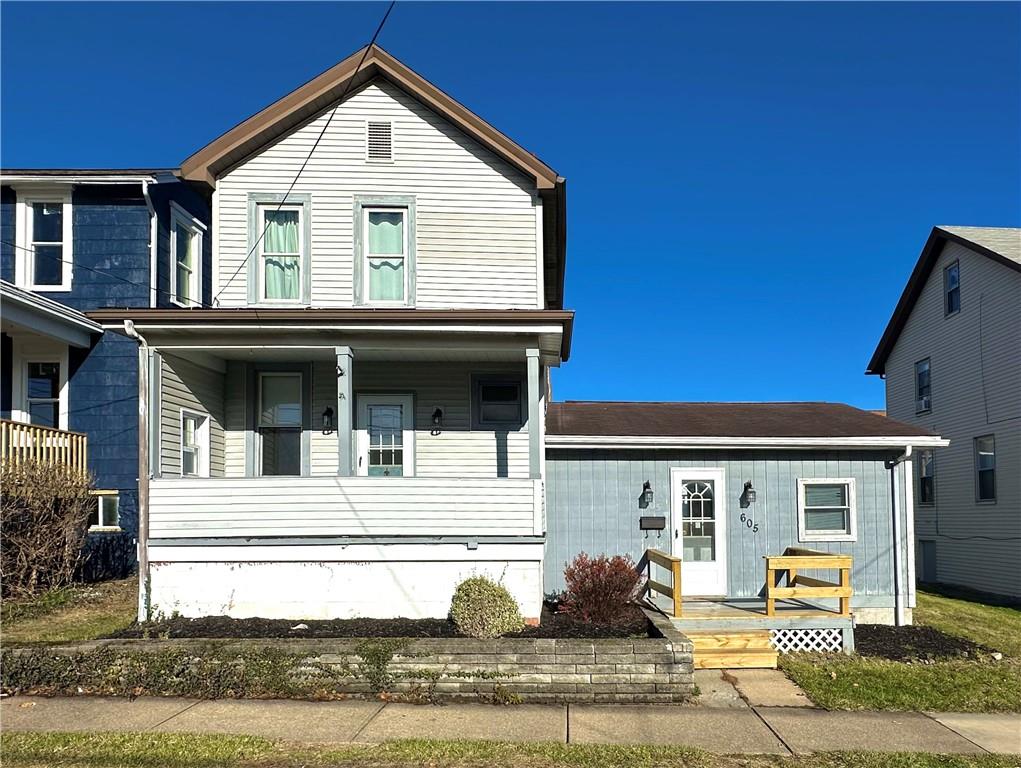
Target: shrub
(45, 519)
(483, 608)
(600, 590)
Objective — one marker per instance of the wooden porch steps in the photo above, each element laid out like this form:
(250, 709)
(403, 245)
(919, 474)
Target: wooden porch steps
(721, 649)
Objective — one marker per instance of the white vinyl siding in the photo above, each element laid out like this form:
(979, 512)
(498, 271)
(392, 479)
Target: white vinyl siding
(191, 388)
(476, 215)
(976, 361)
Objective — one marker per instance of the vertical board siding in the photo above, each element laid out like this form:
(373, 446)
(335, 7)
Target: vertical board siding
(592, 498)
(185, 385)
(476, 244)
(975, 358)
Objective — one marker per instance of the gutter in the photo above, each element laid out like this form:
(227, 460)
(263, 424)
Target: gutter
(680, 442)
(144, 580)
(152, 243)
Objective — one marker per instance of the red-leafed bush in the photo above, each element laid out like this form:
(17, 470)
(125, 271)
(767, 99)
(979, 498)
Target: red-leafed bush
(600, 589)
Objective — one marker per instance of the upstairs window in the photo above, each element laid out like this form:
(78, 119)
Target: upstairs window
(379, 141)
(985, 468)
(926, 477)
(826, 509)
(280, 256)
(952, 289)
(44, 242)
(923, 386)
(386, 238)
(185, 258)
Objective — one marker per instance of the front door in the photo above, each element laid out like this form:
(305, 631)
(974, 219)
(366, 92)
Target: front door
(386, 435)
(698, 505)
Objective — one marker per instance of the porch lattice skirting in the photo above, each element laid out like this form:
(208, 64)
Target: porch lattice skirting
(795, 640)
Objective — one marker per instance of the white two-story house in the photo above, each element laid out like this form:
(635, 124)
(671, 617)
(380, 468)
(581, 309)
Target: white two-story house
(354, 422)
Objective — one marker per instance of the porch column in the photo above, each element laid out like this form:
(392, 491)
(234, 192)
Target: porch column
(534, 442)
(345, 412)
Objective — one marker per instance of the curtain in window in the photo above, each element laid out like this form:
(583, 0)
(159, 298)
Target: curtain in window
(386, 280)
(283, 260)
(386, 233)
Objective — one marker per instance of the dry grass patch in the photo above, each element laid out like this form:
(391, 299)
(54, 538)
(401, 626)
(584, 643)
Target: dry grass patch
(71, 614)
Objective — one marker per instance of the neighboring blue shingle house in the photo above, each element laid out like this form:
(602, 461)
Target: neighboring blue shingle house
(72, 241)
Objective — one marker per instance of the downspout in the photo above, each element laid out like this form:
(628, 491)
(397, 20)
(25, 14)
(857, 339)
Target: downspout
(898, 587)
(152, 243)
(144, 592)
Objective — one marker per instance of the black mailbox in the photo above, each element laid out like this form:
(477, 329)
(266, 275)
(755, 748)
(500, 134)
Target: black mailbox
(651, 523)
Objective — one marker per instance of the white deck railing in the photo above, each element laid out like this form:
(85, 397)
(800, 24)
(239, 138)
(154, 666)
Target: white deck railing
(344, 506)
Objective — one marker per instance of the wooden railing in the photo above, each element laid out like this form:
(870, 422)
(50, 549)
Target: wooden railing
(673, 565)
(800, 587)
(29, 442)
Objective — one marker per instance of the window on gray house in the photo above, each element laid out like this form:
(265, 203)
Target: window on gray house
(280, 409)
(926, 477)
(498, 403)
(952, 288)
(923, 386)
(985, 468)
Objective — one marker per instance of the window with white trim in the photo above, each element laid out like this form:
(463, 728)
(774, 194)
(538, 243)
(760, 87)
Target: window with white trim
(280, 252)
(985, 468)
(185, 258)
(952, 289)
(386, 252)
(106, 514)
(923, 386)
(194, 444)
(44, 259)
(42, 393)
(926, 477)
(826, 509)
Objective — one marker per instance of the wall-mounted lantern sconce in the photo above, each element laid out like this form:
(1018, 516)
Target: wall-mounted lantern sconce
(328, 421)
(645, 500)
(749, 495)
(437, 419)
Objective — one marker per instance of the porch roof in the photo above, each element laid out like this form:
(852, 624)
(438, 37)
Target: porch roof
(553, 328)
(37, 314)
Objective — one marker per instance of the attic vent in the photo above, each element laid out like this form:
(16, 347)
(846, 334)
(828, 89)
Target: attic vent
(379, 141)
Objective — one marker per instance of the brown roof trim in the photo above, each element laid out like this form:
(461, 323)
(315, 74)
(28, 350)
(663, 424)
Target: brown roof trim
(313, 316)
(938, 238)
(318, 94)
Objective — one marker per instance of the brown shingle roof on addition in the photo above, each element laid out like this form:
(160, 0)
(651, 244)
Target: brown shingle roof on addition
(752, 420)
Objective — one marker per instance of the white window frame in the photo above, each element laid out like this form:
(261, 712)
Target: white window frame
(179, 216)
(261, 210)
(921, 475)
(102, 525)
(378, 160)
(21, 399)
(978, 499)
(367, 256)
(923, 405)
(201, 440)
(24, 268)
(363, 401)
(852, 499)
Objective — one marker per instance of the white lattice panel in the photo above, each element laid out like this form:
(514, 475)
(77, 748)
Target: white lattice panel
(796, 640)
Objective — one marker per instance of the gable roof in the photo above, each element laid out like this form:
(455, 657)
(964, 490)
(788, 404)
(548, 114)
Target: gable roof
(1001, 244)
(721, 420)
(321, 92)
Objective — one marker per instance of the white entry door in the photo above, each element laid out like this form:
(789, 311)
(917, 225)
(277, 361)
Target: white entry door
(698, 505)
(386, 435)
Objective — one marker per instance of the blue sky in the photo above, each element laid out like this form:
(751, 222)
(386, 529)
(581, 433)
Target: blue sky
(749, 185)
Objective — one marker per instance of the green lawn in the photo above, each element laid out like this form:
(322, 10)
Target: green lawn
(70, 615)
(984, 685)
(164, 750)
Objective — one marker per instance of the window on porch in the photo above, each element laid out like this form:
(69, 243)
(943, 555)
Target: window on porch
(279, 413)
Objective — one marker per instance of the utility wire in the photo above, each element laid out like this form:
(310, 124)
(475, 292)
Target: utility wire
(322, 133)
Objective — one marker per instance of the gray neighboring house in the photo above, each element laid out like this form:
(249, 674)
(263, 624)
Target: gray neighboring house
(951, 358)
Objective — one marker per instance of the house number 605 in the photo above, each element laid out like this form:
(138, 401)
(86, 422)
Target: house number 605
(749, 523)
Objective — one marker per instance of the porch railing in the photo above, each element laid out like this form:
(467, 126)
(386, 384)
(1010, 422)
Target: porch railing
(788, 567)
(671, 590)
(21, 443)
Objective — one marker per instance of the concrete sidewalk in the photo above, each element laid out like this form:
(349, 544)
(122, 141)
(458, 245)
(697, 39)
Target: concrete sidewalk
(748, 730)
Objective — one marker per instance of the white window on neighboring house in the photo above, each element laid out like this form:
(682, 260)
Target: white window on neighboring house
(194, 444)
(826, 509)
(42, 393)
(386, 251)
(926, 477)
(923, 386)
(106, 514)
(44, 259)
(185, 258)
(952, 289)
(280, 253)
(985, 468)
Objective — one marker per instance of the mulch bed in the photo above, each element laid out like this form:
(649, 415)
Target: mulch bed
(551, 626)
(914, 643)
